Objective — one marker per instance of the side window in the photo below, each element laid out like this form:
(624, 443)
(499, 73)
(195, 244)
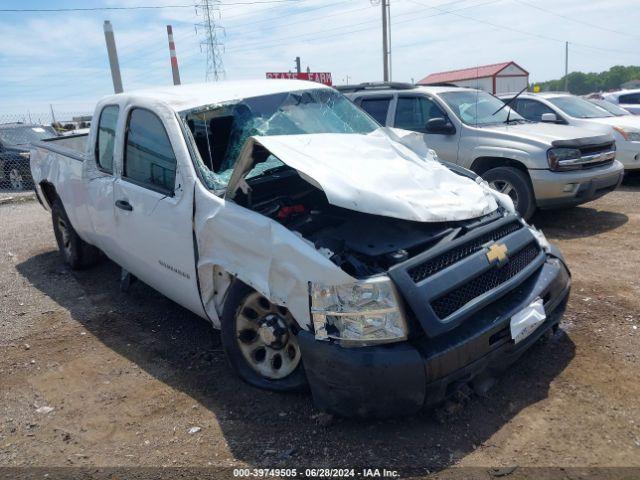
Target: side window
(377, 107)
(106, 137)
(413, 113)
(532, 109)
(630, 98)
(149, 159)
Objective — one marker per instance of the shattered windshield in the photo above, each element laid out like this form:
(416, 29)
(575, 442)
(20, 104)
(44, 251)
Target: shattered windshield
(220, 131)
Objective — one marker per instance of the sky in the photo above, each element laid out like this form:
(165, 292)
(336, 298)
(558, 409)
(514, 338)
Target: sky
(59, 59)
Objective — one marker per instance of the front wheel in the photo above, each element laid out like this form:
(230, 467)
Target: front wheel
(516, 185)
(260, 340)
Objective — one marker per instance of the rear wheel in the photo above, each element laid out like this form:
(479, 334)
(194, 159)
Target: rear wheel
(76, 252)
(260, 340)
(516, 185)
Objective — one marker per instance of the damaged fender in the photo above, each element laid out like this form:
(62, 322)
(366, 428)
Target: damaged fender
(273, 260)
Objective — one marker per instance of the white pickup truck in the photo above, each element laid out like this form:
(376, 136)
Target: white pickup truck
(331, 252)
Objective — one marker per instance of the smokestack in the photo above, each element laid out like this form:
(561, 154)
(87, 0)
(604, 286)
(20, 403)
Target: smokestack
(174, 58)
(113, 57)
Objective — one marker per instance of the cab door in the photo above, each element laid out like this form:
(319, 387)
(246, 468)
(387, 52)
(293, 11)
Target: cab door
(99, 182)
(413, 112)
(154, 212)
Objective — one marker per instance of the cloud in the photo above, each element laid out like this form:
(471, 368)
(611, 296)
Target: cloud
(61, 58)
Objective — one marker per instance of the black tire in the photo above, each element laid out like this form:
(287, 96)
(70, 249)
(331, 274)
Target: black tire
(17, 171)
(517, 185)
(77, 253)
(237, 296)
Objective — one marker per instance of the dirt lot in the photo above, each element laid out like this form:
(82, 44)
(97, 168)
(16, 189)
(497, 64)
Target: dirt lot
(128, 375)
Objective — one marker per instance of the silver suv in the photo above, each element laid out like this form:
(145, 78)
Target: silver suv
(539, 165)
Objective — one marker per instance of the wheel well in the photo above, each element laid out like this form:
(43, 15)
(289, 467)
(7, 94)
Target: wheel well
(49, 192)
(484, 164)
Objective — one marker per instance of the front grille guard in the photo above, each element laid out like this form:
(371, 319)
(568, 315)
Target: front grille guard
(423, 296)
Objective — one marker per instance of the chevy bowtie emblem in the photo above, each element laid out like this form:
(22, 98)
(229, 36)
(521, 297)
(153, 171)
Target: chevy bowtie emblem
(497, 253)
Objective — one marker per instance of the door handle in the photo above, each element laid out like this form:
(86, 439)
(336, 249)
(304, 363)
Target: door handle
(124, 205)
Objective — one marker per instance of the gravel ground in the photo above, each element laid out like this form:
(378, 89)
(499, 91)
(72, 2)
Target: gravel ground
(12, 196)
(97, 378)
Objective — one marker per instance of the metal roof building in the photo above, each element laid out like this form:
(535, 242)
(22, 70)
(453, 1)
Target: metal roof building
(496, 78)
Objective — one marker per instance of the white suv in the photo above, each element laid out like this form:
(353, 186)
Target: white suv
(566, 109)
(627, 99)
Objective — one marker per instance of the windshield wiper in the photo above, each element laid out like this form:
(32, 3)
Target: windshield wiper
(269, 171)
(508, 103)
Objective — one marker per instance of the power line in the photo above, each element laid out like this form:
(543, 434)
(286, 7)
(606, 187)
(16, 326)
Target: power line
(523, 32)
(309, 36)
(138, 7)
(575, 20)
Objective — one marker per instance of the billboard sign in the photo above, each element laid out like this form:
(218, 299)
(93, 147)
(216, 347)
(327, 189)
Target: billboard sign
(320, 77)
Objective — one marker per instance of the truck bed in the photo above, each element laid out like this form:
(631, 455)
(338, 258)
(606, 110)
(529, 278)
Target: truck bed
(73, 146)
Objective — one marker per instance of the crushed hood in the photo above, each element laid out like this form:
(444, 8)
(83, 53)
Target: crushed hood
(387, 172)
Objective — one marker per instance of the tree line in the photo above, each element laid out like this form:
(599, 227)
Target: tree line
(580, 83)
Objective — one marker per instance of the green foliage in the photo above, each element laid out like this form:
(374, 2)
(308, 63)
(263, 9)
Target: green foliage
(582, 83)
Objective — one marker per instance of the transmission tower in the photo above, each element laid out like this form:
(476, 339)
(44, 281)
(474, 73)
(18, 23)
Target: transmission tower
(209, 30)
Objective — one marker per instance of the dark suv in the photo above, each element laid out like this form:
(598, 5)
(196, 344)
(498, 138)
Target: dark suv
(15, 172)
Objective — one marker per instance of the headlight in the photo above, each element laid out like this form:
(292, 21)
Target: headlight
(26, 155)
(357, 314)
(563, 158)
(630, 135)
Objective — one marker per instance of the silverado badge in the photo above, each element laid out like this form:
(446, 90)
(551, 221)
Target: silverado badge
(498, 254)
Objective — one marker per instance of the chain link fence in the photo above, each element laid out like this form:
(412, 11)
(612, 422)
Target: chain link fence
(18, 131)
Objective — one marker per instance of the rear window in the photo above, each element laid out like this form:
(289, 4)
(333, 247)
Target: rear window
(106, 137)
(377, 108)
(630, 98)
(149, 159)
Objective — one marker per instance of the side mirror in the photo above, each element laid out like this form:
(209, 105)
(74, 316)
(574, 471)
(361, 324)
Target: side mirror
(440, 125)
(549, 118)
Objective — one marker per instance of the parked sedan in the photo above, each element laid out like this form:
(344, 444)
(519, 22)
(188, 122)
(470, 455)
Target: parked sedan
(15, 172)
(567, 109)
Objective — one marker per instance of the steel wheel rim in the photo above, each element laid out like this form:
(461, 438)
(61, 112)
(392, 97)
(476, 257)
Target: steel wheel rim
(66, 238)
(268, 351)
(15, 178)
(507, 188)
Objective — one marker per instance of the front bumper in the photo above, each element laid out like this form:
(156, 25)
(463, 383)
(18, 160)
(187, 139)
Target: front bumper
(564, 189)
(401, 379)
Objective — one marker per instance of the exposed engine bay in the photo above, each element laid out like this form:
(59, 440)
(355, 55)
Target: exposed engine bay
(360, 244)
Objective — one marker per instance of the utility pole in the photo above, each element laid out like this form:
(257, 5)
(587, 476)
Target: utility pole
(566, 66)
(298, 67)
(172, 55)
(113, 57)
(346, 79)
(385, 40)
